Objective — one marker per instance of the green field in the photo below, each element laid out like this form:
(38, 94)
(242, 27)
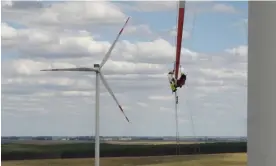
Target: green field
(55, 150)
(237, 159)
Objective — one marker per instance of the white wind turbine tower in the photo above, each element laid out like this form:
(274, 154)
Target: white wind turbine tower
(97, 69)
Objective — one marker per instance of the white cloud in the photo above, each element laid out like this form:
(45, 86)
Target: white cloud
(141, 29)
(77, 93)
(173, 33)
(154, 6)
(158, 51)
(191, 7)
(7, 3)
(220, 73)
(223, 8)
(43, 43)
(39, 43)
(64, 14)
(7, 32)
(161, 97)
(22, 5)
(142, 104)
(239, 51)
(158, 6)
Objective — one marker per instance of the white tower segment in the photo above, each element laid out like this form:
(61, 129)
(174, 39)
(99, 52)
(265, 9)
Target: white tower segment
(261, 83)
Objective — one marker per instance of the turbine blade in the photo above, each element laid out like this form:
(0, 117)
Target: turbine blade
(107, 55)
(71, 69)
(112, 94)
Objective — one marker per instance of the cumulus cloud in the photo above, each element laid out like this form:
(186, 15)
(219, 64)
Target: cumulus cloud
(173, 32)
(155, 6)
(191, 7)
(161, 97)
(22, 4)
(240, 51)
(136, 72)
(62, 14)
(223, 8)
(45, 44)
(167, 6)
(141, 29)
(142, 104)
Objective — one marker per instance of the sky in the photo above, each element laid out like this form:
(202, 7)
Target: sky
(39, 35)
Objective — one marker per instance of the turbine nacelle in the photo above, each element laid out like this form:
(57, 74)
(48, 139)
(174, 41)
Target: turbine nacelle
(97, 66)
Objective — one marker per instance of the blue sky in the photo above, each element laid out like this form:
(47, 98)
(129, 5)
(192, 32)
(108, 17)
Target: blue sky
(214, 56)
(214, 32)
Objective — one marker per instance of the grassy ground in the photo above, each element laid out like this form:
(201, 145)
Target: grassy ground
(238, 159)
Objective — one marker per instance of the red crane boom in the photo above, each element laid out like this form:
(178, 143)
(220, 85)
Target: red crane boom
(181, 16)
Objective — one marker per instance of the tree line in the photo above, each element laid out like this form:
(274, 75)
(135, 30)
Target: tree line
(86, 150)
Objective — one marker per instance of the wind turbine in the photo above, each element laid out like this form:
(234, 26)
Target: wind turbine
(97, 69)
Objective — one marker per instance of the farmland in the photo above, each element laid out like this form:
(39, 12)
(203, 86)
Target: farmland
(30, 150)
(237, 159)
